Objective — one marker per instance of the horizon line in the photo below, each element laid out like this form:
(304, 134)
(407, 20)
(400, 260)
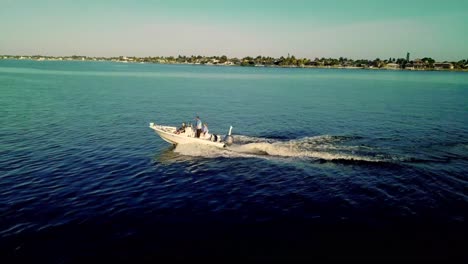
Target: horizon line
(228, 57)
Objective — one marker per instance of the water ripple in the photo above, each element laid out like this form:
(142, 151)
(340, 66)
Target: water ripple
(76, 154)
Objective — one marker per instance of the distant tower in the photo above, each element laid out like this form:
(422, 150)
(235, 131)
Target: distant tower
(407, 56)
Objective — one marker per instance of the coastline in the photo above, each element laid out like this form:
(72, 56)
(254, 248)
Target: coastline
(91, 59)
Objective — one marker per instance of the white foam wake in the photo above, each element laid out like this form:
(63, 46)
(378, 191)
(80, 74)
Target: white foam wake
(319, 147)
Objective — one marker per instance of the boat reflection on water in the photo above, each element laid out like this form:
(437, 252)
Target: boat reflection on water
(170, 156)
(167, 156)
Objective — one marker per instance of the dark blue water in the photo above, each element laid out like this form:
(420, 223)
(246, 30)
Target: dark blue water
(327, 163)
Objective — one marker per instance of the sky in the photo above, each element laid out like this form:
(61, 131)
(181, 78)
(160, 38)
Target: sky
(354, 29)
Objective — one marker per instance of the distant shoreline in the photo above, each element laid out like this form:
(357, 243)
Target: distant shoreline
(209, 61)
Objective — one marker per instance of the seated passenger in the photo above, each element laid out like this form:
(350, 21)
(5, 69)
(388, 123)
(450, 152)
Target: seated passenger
(205, 128)
(181, 129)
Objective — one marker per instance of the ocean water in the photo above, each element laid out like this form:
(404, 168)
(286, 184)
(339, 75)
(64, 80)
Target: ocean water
(334, 163)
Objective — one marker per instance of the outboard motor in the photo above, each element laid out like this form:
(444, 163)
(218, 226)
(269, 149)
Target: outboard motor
(228, 139)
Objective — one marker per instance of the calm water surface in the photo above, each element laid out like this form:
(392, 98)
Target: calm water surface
(323, 159)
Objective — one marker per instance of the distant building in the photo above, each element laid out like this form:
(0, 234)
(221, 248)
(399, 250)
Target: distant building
(443, 65)
(392, 66)
(418, 64)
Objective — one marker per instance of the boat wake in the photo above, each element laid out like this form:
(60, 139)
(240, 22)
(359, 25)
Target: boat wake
(326, 148)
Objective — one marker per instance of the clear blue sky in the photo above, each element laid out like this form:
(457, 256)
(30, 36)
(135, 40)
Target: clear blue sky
(304, 28)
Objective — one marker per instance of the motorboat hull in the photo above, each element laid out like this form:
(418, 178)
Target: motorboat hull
(168, 134)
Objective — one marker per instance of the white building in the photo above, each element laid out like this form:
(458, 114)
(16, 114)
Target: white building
(392, 66)
(443, 65)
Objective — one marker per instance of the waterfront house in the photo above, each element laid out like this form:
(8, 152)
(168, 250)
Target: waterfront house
(392, 66)
(419, 64)
(443, 65)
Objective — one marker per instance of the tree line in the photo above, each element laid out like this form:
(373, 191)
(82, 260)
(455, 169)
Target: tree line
(289, 61)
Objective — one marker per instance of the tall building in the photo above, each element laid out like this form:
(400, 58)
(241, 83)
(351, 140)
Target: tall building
(407, 56)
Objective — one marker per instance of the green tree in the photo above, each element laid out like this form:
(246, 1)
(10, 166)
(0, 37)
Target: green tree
(223, 59)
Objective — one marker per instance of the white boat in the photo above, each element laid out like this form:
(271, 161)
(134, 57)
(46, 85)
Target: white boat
(171, 135)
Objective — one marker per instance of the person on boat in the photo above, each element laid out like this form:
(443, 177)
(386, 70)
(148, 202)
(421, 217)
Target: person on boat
(198, 126)
(205, 129)
(181, 129)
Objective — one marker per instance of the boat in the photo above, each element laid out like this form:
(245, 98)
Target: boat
(171, 135)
